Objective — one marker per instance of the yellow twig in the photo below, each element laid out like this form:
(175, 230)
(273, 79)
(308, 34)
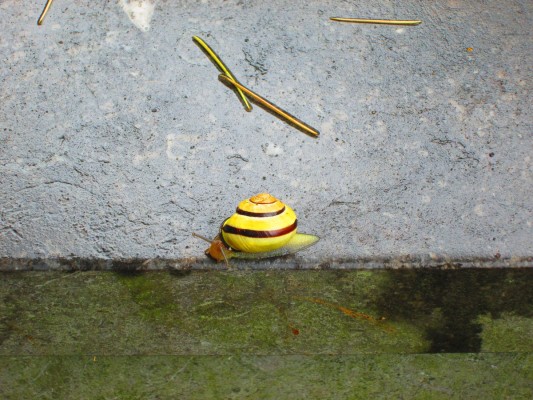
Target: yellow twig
(377, 21)
(45, 10)
(272, 107)
(223, 68)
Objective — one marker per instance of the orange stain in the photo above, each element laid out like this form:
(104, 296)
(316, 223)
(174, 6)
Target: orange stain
(470, 49)
(350, 313)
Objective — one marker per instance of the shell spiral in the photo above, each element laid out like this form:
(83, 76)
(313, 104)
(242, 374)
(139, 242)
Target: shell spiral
(261, 223)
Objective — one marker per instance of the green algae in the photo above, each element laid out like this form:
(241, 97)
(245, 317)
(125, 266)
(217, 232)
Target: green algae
(362, 376)
(267, 312)
(267, 334)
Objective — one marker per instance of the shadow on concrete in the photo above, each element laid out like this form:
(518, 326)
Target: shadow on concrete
(459, 297)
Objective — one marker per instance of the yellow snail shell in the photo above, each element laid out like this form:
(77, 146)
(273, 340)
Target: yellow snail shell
(261, 227)
(261, 223)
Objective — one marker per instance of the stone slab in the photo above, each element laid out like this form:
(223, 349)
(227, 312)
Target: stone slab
(117, 140)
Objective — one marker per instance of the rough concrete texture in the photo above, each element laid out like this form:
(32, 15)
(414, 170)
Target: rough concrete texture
(118, 140)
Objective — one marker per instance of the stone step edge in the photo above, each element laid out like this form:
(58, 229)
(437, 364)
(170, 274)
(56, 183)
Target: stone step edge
(8, 264)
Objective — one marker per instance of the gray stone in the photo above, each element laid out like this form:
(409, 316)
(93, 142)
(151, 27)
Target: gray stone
(118, 140)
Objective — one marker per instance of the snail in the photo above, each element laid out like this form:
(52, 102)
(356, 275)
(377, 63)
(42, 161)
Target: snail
(262, 227)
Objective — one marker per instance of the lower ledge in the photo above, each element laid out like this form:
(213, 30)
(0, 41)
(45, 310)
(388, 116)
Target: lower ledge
(282, 263)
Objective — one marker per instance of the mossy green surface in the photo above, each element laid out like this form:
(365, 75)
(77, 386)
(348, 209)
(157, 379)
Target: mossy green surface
(267, 334)
(363, 376)
(265, 313)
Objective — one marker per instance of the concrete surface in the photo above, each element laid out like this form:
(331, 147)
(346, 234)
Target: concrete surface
(451, 334)
(118, 140)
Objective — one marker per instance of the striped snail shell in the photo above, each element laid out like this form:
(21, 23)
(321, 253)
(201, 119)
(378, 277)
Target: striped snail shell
(261, 223)
(261, 227)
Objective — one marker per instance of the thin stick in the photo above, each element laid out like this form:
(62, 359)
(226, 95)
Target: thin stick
(408, 22)
(45, 10)
(289, 117)
(201, 237)
(223, 68)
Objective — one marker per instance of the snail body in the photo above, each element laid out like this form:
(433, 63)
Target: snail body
(261, 227)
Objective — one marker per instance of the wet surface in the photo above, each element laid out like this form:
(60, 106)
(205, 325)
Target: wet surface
(459, 298)
(367, 376)
(411, 333)
(266, 312)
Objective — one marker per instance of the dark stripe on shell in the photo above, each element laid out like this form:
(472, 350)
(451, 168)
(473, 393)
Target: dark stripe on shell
(260, 234)
(260, 215)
